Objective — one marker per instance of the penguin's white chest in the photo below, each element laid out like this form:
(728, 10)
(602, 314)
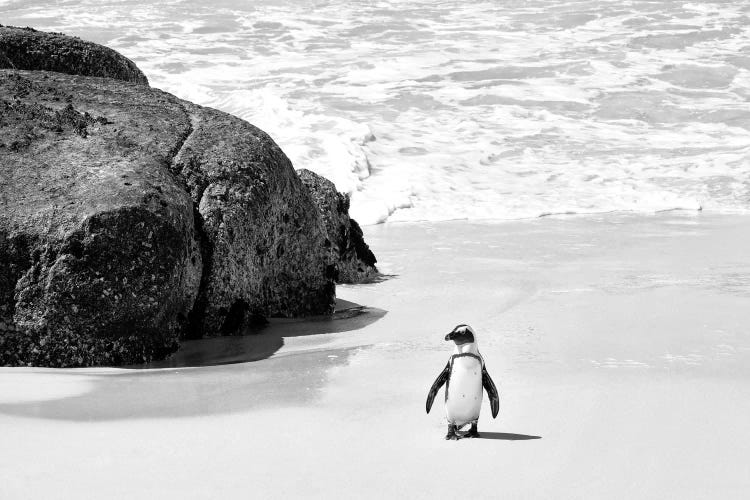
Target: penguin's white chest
(464, 393)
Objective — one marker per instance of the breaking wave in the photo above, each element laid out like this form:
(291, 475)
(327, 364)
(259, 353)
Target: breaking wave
(433, 110)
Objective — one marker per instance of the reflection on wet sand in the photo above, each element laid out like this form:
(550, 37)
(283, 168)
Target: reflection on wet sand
(262, 342)
(208, 377)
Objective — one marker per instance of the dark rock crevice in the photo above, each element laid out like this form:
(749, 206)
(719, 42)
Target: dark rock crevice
(5, 61)
(195, 318)
(17, 258)
(182, 140)
(193, 321)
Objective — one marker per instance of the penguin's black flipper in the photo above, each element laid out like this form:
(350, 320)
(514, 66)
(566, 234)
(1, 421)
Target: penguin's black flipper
(439, 381)
(489, 386)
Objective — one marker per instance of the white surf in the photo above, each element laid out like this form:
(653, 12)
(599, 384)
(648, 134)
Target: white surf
(427, 110)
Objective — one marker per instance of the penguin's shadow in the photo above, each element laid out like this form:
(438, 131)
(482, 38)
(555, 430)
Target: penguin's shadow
(506, 436)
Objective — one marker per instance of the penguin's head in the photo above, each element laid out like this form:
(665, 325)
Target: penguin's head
(462, 334)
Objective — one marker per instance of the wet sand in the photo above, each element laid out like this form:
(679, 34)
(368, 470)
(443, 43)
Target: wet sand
(619, 344)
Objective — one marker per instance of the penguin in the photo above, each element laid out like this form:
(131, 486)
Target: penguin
(464, 377)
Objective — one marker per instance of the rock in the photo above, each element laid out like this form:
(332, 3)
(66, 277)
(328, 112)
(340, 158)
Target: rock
(103, 265)
(354, 260)
(26, 48)
(130, 218)
(264, 240)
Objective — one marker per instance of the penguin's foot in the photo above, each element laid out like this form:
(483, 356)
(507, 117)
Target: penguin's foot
(473, 432)
(452, 435)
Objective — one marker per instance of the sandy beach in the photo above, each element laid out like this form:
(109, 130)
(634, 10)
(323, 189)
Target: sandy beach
(454, 133)
(619, 345)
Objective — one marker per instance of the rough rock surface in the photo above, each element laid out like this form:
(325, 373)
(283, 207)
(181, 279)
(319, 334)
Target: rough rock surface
(265, 243)
(129, 217)
(354, 260)
(26, 48)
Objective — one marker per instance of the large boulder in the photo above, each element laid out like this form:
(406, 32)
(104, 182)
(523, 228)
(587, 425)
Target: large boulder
(27, 48)
(263, 238)
(355, 262)
(129, 218)
(99, 234)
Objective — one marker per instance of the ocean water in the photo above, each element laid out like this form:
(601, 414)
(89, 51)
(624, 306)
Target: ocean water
(435, 110)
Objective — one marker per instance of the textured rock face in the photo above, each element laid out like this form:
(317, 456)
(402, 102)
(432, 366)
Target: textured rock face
(354, 260)
(264, 240)
(25, 48)
(99, 234)
(129, 217)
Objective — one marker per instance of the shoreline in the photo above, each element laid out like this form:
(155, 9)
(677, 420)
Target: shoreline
(564, 215)
(620, 341)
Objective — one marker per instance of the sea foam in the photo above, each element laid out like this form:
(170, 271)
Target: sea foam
(424, 110)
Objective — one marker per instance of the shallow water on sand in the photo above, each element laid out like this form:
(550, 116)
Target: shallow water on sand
(442, 110)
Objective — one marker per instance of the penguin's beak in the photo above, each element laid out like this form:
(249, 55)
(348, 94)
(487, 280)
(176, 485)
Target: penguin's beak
(450, 336)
